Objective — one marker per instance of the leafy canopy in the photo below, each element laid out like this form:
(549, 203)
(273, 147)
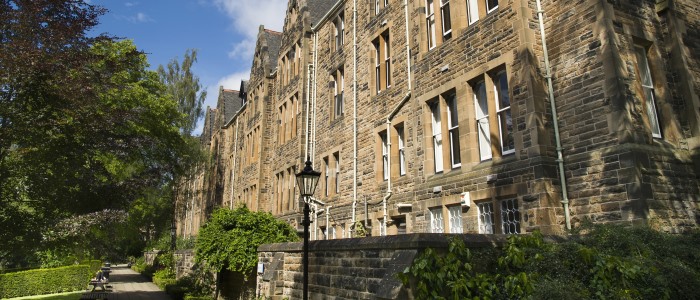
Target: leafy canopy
(230, 238)
(183, 85)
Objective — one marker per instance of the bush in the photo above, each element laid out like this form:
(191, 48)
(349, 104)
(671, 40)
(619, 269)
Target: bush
(608, 262)
(45, 281)
(191, 297)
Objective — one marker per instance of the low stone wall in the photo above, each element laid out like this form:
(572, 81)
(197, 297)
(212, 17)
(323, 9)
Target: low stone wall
(150, 256)
(184, 262)
(359, 268)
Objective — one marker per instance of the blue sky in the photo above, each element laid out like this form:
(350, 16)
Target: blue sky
(222, 31)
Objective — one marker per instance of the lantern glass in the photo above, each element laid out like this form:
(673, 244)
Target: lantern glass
(307, 180)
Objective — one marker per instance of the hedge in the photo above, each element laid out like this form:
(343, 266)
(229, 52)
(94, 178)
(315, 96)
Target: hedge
(46, 281)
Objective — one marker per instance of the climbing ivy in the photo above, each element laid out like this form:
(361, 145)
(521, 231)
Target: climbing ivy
(230, 238)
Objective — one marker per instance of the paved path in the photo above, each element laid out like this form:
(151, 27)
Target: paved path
(129, 285)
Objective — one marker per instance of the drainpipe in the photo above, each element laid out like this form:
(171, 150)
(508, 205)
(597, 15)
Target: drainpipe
(550, 90)
(328, 214)
(354, 110)
(391, 115)
(313, 122)
(308, 96)
(235, 150)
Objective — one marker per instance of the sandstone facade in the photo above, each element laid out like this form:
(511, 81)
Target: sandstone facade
(435, 116)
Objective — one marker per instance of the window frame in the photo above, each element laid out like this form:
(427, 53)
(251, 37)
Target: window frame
(455, 219)
(445, 11)
(430, 24)
(453, 129)
(436, 125)
(385, 155)
(401, 149)
(437, 220)
(646, 80)
(498, 98)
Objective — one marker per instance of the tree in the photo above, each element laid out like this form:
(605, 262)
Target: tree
(230, 238)
(84, 125)
(184, 87)
(41, 43)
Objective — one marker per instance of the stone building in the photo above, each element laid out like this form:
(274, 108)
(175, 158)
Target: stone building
(466, 116)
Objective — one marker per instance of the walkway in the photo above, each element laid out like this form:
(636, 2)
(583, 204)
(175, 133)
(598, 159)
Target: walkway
(129, 285)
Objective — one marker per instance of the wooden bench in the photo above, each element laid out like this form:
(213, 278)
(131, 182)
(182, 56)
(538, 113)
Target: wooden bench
(98, 283)
(87, 296)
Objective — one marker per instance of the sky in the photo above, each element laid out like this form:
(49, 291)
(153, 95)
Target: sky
(223, 32)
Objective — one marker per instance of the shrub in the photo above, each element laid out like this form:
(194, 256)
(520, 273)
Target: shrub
(45, 281)
(608, 262)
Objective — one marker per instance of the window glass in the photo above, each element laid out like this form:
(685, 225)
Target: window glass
(486, 225)
(510, 216)
(455, 219)
(436, 220)
(648, 86)
(482, 120)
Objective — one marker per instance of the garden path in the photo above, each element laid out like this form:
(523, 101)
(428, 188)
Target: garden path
(129, 285)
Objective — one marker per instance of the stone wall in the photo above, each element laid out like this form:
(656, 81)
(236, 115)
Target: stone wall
(184, 262)
(150, 256)
(350, 268)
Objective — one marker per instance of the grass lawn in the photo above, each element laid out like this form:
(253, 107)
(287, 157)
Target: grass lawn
(62, 296)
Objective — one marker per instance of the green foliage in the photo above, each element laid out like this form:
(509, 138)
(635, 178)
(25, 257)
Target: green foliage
(609, 262)
(45, 281)
(453, 275)
(185, 243)
(230, 238)
(183, 86)
(359, 230)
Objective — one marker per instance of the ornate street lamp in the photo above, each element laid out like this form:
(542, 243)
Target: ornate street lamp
(307, 180)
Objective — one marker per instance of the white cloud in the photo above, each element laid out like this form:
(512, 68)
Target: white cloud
(229, 82)
(130, 4)
(247, 16)
(141, 18)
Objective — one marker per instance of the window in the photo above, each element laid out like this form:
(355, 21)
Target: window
(376, 7)
(455, 218)
(382, 62)
(331, 233)
(510, 217)
(446, 21)
(339, 32)
(491, 5)
(430, 23)
(387, 58)
(436, 220)
(377, 67)
(644, 75)
(336, 157)
(338, 85)
(505, 121)
(500, 139)
(453, 127)
(472, 11)
(385, 155)
(437, 135)
(326, 172)
(402, 152)
(482, 120)
(485, 211)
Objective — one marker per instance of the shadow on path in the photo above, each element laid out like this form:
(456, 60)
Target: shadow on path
(126, 284)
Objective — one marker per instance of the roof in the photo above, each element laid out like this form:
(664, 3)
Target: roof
(319, 8)
(208, 127)
(231, 103)
(274, 40)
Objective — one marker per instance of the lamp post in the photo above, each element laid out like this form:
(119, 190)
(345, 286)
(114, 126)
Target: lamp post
(307, 180)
